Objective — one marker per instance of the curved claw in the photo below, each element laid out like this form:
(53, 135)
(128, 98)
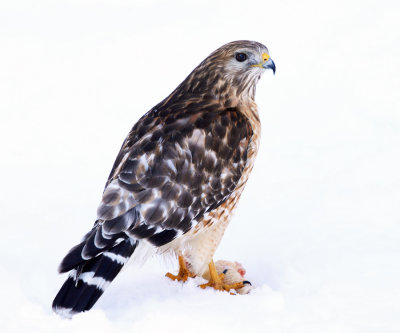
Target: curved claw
(216, 281)
(183, 273)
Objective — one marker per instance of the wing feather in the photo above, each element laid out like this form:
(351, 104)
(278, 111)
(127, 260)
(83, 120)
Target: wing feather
(172, 171)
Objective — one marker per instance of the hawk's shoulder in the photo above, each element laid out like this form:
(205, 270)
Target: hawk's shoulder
(175, 120)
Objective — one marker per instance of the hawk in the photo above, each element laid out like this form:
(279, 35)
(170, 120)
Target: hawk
(177, 178)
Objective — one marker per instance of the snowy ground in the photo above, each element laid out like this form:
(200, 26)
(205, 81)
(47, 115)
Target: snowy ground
(318, 227)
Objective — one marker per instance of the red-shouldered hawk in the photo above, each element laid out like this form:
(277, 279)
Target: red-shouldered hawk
(177, 178)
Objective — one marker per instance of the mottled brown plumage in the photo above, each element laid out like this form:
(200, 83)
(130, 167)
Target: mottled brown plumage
(181, 170)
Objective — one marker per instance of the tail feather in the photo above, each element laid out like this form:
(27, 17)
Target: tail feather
(87, 282)
(94, 243)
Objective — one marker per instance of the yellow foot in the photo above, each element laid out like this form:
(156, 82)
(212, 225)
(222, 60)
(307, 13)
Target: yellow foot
(216, 281)
(183, 273)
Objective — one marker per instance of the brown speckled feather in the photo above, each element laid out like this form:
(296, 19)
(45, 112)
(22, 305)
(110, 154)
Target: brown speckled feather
(178, 175)
(179, 167)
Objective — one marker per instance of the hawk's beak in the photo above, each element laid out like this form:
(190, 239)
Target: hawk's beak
(267, 62)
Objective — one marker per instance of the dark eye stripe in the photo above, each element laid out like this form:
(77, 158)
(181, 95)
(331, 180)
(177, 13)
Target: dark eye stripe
(241, 57)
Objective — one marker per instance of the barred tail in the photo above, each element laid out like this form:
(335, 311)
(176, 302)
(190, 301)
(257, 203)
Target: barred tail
(87, 282)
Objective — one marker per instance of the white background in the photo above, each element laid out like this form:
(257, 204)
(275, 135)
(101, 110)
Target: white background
(318, 226)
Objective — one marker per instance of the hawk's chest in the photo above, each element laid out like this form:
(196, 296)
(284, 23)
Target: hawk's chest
(203, 238)
(223, 213)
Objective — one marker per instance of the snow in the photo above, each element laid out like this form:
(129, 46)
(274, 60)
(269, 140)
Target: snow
(318, 226)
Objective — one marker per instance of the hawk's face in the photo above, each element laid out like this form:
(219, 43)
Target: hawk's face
(252, 59)
(238, 65)
(229, 73)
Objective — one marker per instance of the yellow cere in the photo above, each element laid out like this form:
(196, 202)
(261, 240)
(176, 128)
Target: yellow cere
(265, 57)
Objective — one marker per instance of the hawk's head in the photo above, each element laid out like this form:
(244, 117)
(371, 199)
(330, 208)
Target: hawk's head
(233, 69)
(242, 57)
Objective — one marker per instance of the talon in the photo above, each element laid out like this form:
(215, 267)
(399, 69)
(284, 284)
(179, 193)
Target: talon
(183, 273)
(216, 281)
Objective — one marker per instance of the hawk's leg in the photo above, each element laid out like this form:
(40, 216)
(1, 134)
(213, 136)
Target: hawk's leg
(183, 273)
(216, 280)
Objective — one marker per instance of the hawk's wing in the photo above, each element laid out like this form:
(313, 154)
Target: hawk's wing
(171, 174)
(171, 170)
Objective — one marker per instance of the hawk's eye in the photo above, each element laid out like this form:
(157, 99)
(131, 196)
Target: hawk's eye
(241, 57)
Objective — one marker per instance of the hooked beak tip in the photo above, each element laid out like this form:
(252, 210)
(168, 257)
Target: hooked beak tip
(270, 64)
